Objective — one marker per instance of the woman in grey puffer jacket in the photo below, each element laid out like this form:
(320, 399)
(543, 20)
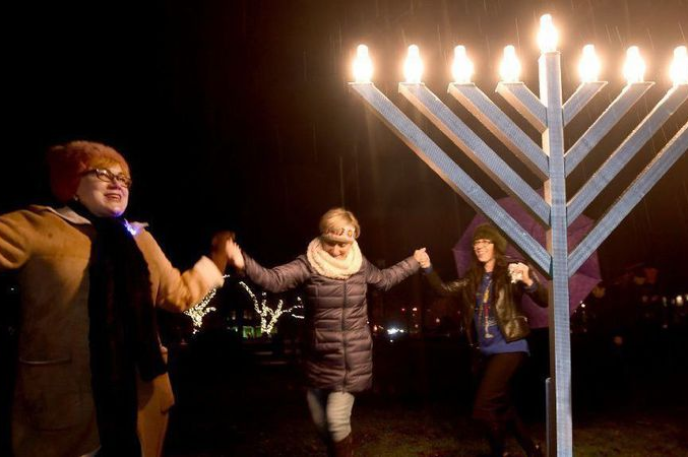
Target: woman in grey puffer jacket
(336, 276)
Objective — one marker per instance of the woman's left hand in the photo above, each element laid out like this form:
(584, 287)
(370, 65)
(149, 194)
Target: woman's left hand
(520, 272)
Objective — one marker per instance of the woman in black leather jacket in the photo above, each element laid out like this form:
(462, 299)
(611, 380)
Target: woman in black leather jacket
(490, 299)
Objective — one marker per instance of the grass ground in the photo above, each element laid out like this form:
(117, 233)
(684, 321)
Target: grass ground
(260, 411)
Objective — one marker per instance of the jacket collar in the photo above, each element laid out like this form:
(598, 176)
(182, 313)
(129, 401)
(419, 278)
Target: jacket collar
(71, 216)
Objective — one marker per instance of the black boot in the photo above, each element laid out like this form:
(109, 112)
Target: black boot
(345, 447)
(496, 436)
(521, 434)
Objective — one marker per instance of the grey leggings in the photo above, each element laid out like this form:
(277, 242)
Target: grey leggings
(331, 413)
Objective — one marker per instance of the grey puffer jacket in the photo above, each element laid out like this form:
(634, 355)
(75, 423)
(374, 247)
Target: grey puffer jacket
(340, 356)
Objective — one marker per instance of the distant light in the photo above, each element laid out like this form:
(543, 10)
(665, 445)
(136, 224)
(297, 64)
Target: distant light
(582, 305)
(510, 69)
(462, 68)
(634, 68)
(589, 67)
(548, 35)
(363, 66)
(413, 66)
(679, 300)
(403, 310)
(414, 309)
(679, 67)
(437, 321)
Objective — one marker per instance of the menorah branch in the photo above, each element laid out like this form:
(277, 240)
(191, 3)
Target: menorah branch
(478, 151)
(604, 123)
(627, 150)
(654, 171)
(506, 130)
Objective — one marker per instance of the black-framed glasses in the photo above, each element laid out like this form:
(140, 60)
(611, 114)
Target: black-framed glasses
(109, 177)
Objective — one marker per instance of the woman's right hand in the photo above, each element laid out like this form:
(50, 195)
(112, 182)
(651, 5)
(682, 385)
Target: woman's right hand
(422, 257)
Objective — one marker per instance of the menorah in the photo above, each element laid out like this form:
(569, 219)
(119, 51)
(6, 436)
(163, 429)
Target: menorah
(550, 162)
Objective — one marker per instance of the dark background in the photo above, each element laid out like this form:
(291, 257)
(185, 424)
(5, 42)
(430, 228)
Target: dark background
(236, 114)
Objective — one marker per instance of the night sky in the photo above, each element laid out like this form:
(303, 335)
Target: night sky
(236, 115)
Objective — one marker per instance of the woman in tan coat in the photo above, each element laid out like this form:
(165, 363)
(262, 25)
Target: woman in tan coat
(92, 377)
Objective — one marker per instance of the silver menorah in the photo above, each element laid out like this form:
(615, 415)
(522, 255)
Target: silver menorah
(550, 162)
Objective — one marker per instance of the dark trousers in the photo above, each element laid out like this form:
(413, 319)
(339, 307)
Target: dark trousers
(493, 405)
(493, 397)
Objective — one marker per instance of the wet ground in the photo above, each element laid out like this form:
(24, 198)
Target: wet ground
(244, 401)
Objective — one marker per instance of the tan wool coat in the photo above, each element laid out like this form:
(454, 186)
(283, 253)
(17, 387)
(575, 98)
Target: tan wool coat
(53, 410)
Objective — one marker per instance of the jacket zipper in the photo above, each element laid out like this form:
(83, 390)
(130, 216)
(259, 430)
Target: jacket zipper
(346, 368)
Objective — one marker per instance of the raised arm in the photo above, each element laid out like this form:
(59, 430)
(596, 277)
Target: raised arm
(173, 290)
(278, 279)
(390, 277)
(444, 289)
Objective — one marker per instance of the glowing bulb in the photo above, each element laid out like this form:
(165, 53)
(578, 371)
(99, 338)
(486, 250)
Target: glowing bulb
(548, 36)
(462, 68)
(363, 66)
(679, 67)
(589, 67)
(510, 69)
(413, 67)
(634, 68)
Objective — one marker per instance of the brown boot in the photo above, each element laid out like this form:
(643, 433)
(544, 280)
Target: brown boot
(345, 447)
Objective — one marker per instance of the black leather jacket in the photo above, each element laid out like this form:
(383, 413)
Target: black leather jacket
(507, 302)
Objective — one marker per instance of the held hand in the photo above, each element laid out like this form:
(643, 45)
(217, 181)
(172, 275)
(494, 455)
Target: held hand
(422, 257)
(234, 254)
(218, 252)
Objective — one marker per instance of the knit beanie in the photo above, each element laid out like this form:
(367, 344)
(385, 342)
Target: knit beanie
(488, 232)
(68, 162)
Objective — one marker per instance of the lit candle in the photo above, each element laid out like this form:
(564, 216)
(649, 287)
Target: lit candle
(679, 67)
(413, 66)
(589, 67)
(634, 68)
(462, 68)
(510, 69)
(363, 66)
(548, 36)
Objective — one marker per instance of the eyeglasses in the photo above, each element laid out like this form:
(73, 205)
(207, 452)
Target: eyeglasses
(482, 242)
(110, 177)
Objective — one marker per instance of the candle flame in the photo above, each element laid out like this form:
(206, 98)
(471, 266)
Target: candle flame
(462, 68)
(634, 68)
(589, 66)
(363, 66)
(413, 67)
(679, 67)
(510, 68)
(548, 36)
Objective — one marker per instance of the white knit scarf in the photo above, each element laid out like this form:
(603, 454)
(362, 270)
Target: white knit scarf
(328, 266)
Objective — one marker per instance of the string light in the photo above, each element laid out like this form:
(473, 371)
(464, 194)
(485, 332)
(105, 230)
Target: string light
(268, 316)
(199, 311)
